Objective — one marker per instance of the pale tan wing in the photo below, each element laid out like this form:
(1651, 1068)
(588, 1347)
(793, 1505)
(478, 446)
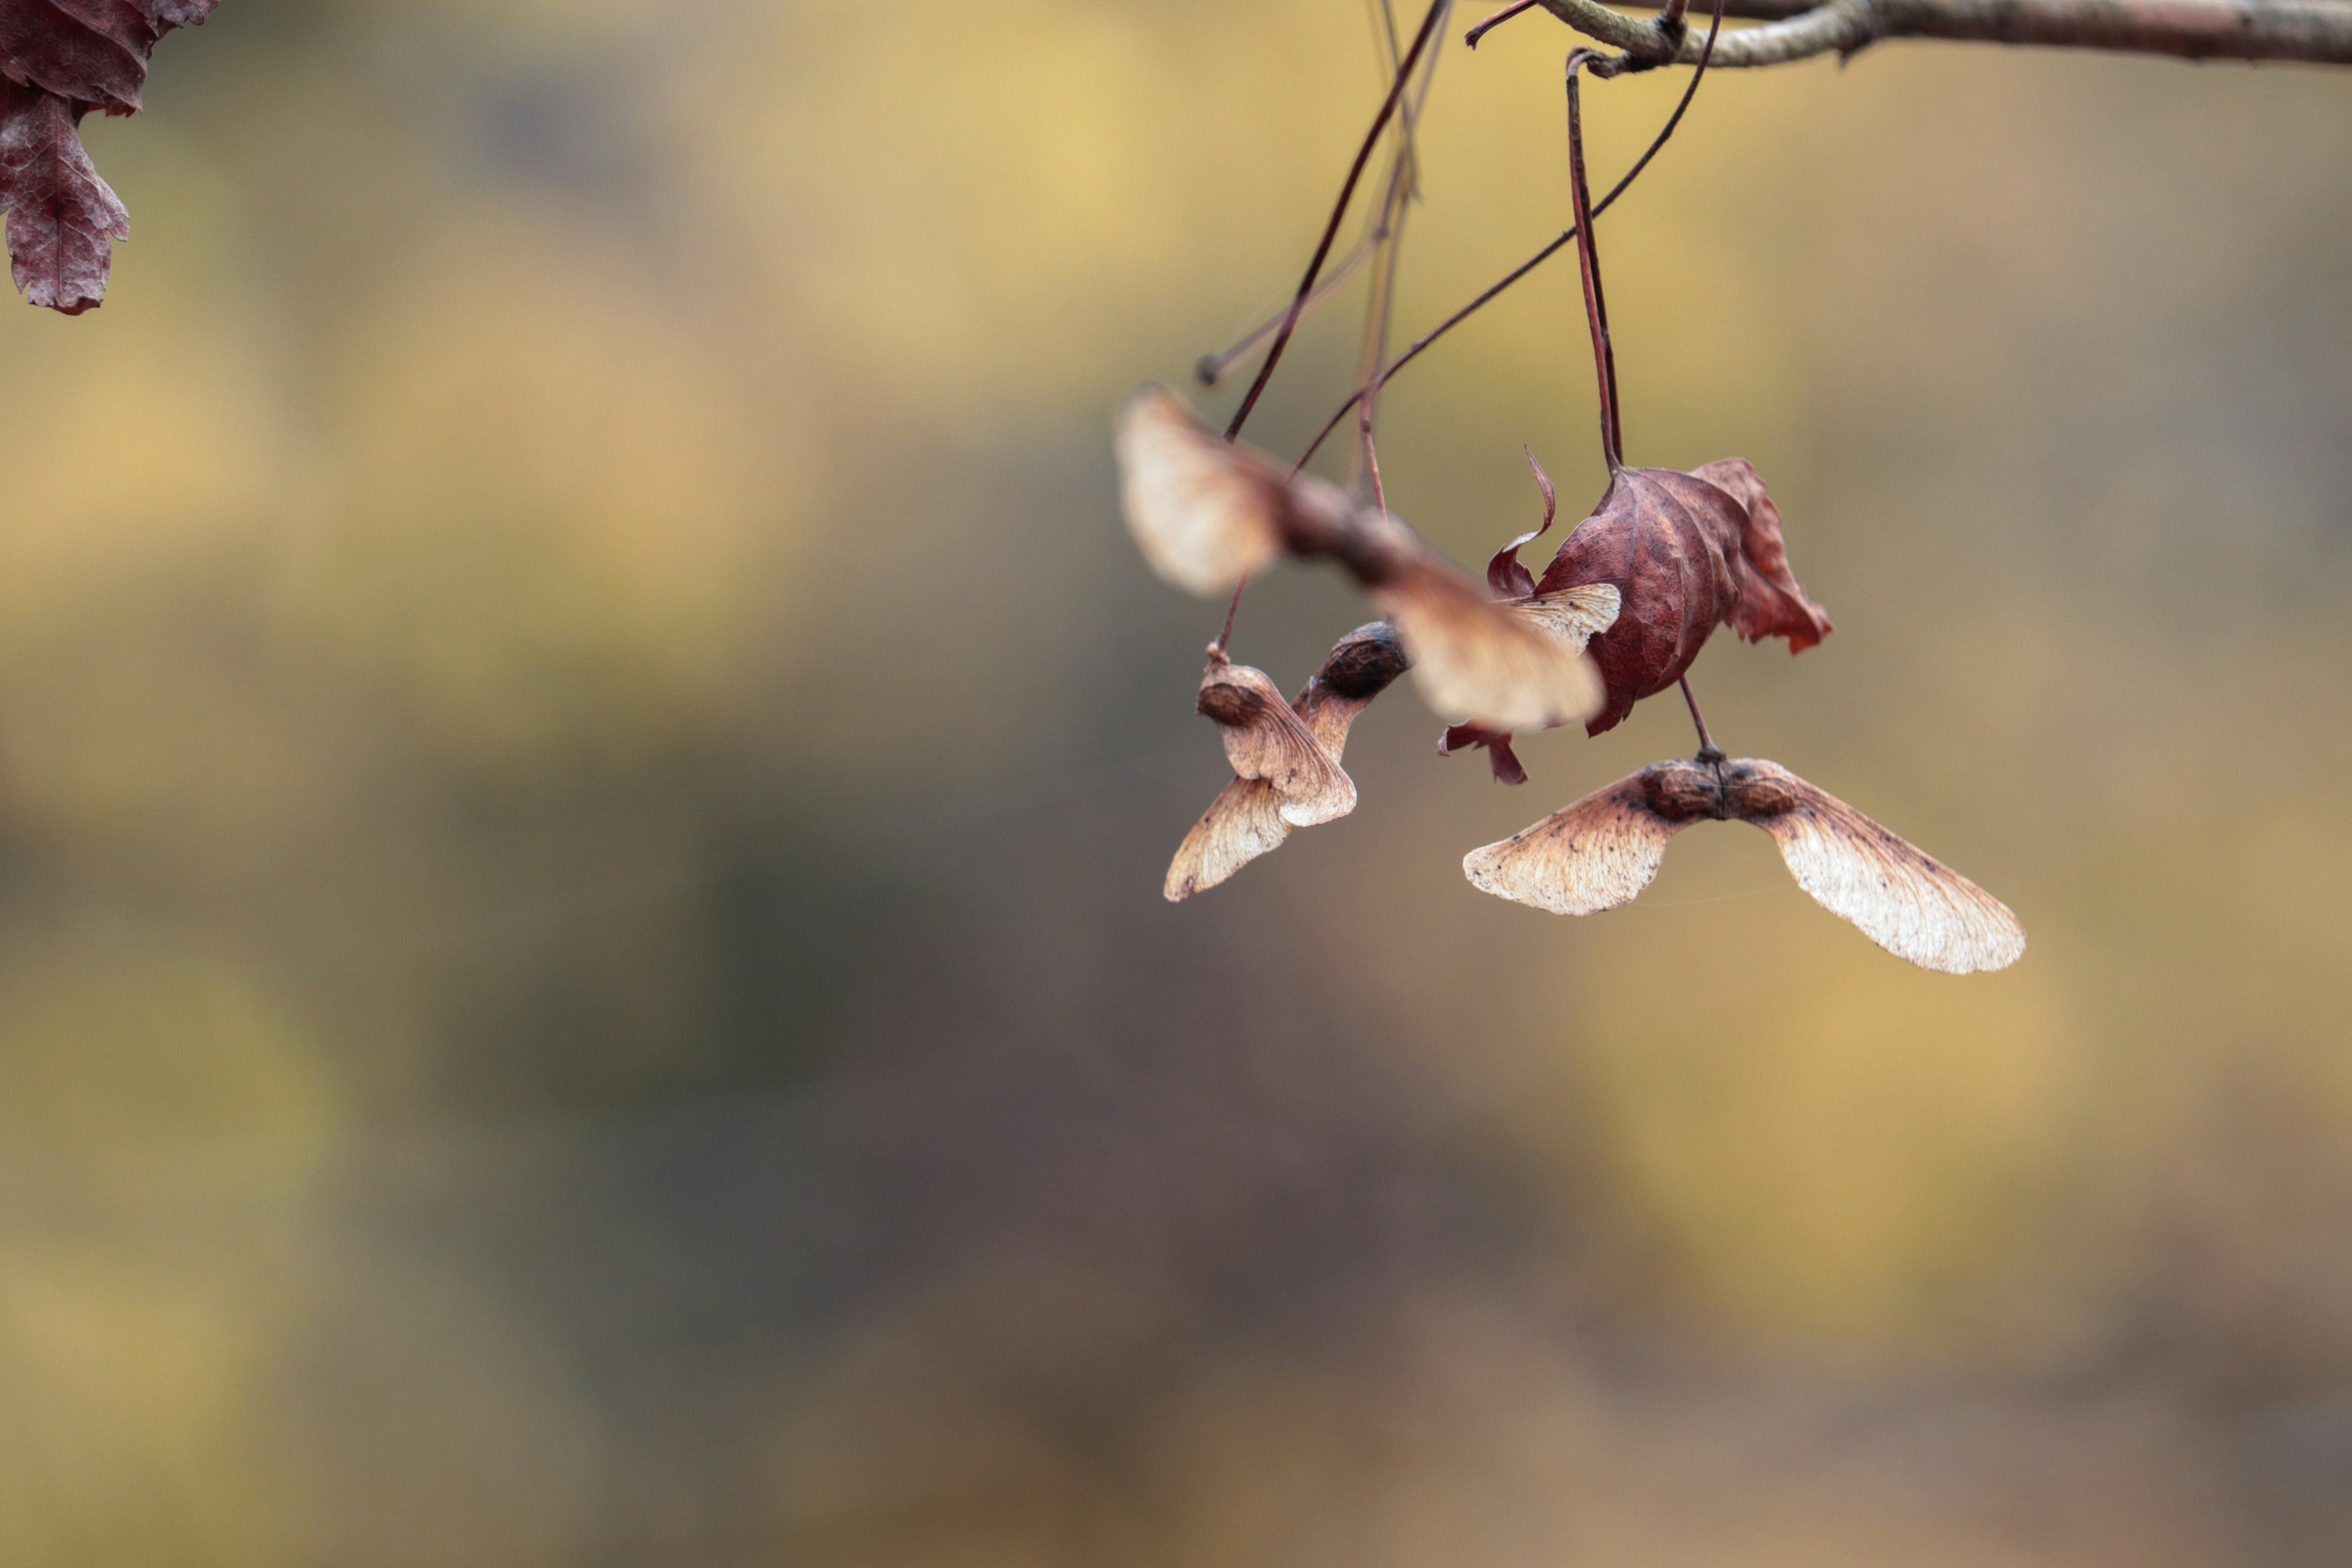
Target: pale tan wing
(1480, 662)
(1902, 897)
(1581, 859)
(1206, 513)
(1265, 739)
(1243, 823)
(1575, 615)
(1329, 717)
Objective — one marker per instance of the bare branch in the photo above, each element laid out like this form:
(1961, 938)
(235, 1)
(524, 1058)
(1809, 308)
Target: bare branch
(2314, 31)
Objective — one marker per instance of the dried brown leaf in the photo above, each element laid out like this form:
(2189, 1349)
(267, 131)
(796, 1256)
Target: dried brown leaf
(60, 59)
(1688, 552)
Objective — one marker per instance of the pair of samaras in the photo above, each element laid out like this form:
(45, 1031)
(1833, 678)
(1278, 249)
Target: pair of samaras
(1604, 850)
(1207, 513)
(1285, 755)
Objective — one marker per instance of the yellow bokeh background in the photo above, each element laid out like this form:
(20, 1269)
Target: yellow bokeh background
(585, 768)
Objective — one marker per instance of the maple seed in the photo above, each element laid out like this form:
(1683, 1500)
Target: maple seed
(1512, 664)
(1248, 818)
(1601, 851)
(1207, 512)
(1265, 739)
(1204, 513)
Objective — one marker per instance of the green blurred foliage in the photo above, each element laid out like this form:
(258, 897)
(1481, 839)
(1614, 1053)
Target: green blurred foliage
(583, 773)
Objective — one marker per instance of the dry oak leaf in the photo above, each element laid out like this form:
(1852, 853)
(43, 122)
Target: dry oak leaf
(1251, 816)
(1604, 849)
(1207, 513)
(1687, 553)
(59, 60)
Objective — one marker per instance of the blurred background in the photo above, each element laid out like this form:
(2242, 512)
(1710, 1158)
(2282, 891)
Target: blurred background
(586, 768)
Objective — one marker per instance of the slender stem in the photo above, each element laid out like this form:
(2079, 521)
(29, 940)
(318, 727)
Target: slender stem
(1210, 368)
(1496, 20)
(1587, 264)
(1373, 468)
(1530, 264)
(1380, 305)
(1708, 752)
(1233, 609)
(1339, 210)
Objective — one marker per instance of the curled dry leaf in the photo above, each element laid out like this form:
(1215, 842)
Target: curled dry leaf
(1246, 819)
(1604, 849)
(1207, 513)
(1688, 552)
(59, 60)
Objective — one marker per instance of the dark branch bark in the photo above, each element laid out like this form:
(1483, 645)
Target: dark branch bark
(2314, 31)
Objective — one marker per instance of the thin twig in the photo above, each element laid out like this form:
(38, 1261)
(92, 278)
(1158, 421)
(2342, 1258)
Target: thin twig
(2318, 32)
(1380, 305)
(1212, 368)
(1496, 20)
(1339, 210)
(1373, 385)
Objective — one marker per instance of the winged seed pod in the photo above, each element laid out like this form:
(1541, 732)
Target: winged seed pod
(1207, 512)
(1248, 818)
(1268, 740)
(1604, 849)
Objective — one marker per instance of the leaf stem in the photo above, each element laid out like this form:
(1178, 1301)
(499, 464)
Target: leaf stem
(1588, 266)
(1708, 752)
(1234, 608)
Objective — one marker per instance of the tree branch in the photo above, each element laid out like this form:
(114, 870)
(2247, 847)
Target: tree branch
(2314, 31)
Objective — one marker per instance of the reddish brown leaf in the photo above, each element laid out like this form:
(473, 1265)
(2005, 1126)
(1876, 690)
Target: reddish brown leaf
(1500, 757)
(1687, 553)
(62, 218)
(60, 59)
(1769, 603)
